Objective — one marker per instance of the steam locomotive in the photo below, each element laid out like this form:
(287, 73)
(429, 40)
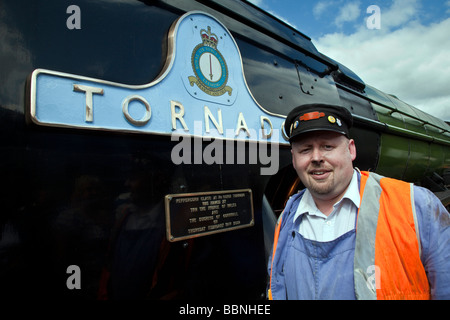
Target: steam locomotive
(135, 135)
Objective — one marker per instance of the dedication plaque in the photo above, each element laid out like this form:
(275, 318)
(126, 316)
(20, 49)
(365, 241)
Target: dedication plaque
(191, 215)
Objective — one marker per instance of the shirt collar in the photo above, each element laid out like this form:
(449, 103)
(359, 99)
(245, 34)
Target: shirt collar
(307, 204)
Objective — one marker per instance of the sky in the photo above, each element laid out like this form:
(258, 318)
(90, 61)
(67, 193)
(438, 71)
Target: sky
(402, 49)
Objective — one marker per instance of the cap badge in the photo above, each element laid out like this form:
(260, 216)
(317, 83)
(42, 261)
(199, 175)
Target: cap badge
(338, 121)
(331, 119)
(312, 116)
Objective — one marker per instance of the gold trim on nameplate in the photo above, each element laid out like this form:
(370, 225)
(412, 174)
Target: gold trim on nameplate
(191, 215)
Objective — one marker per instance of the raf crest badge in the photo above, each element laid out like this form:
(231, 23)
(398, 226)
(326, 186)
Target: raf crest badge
(209, 66)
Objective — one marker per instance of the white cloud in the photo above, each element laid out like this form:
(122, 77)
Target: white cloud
(404, 57)
(343, 12)
(320, 8)
(401, 12)
(348, 13)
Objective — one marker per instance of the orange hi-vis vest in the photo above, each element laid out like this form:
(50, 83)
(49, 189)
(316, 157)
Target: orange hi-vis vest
(387, 263)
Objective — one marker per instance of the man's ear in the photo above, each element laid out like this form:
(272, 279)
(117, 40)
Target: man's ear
(352, 149)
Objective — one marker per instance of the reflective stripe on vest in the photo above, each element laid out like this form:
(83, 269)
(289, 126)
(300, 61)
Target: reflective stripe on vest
(387, 258)
(275, 242)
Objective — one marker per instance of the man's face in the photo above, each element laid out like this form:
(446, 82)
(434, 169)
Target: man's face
(323, 161)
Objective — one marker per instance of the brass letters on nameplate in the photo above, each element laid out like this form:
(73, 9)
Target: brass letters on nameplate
(190, 215)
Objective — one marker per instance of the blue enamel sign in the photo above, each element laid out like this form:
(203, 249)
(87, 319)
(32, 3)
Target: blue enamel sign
(201, 91)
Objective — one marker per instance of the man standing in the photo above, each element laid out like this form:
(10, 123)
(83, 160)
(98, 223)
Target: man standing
(352, 234)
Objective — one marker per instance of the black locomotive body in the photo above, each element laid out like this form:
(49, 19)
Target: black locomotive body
(99, 212)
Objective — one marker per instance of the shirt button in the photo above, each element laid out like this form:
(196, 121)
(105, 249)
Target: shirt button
(328, 223)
